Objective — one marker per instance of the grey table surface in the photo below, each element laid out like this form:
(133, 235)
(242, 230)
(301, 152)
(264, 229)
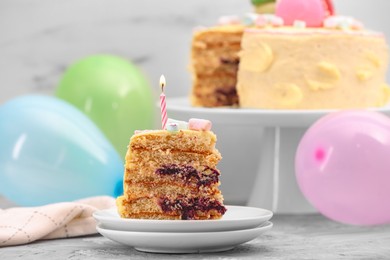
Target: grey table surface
(292, 237)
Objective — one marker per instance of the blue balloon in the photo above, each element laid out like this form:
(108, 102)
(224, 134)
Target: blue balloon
(51, 152)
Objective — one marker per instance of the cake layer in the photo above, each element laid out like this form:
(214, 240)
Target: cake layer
(220, 98)
(214, 91)
(183, 174)
(214, 83)
(311, 68)
(161, 189)
(221, 66)
(152, 159)
(171, 208)
(183, 140)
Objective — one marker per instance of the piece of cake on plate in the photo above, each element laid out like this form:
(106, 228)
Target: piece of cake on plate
(172, 174)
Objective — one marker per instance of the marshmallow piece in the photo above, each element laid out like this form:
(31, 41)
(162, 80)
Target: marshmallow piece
(199, 124)
(173, 127)
(299, 24)
(181, 124)
(331, 22)
(342, 22)
(261, 21)
(249, 19)
(277, 21)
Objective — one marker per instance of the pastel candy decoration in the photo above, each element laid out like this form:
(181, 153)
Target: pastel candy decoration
(262, 20)
(173, 127)
(180, 124)
(249, 19)
(342, 167)
(342, 22)
(270, 19)
(299, 24)
(199, 124)
(313, 12)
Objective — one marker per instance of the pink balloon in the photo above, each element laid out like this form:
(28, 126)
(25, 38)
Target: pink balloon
(313, 12)
(342, 167)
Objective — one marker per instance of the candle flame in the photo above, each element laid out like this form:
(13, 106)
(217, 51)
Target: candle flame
(162, 82)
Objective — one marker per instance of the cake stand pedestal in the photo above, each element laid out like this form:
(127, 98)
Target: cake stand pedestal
(275, 186)
(258, 149)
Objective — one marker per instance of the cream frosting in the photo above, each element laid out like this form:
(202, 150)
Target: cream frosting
(312, 68)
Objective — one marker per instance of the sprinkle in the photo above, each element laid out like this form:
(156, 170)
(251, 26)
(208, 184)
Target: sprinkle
(299, 24)
(199, 124)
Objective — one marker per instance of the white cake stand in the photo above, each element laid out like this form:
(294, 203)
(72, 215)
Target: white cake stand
(258, 149)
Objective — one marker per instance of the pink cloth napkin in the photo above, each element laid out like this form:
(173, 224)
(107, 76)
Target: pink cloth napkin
(59, 220)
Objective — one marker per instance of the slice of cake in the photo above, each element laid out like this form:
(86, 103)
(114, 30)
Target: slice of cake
(214, 65)
(172, 174)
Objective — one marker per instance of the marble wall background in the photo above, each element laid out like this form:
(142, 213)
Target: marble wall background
(40, 38)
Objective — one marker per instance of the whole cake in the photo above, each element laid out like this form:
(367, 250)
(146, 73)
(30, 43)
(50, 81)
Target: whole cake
(172, 174)
(304, 57)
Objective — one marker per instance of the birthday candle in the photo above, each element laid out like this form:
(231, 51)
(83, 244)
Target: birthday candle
(163, 105)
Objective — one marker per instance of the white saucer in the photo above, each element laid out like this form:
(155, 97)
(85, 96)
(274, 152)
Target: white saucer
(235, 218)
(195, 242)
(183, 110)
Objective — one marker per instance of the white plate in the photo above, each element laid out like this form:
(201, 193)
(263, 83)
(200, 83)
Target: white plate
(196, 242)
(235, 218)
(182, 110)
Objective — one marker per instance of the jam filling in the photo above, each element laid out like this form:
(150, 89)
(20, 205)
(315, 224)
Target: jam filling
(229, 61)
(227, 96)
(188, 173)
(188, 206)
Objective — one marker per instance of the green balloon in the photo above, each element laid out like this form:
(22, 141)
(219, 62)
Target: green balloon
(113, 93)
